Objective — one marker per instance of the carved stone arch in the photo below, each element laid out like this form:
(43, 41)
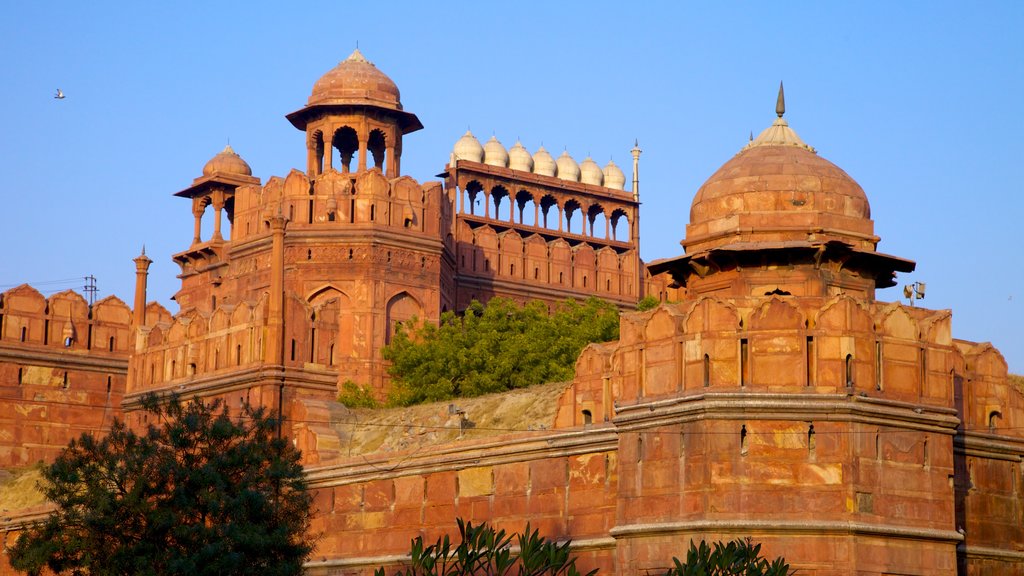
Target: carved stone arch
(570, 209)
(401, 308)
(895, 322)
(155, 337)
(620, 225)
(112, 310)
(843, 313)
(24, 299)
(297, 184)
(776, 314)
(472, 198)
(220, 320)
(177, 333)
(549, 221)
(598, 225)
(345, 140)
(241, 315)
(376, 149)
(525, 207)
(664, 322)
(711, 314)
(937, 328)
(198, 325)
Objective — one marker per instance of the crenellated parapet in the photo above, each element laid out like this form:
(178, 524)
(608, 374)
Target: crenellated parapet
(62, 370)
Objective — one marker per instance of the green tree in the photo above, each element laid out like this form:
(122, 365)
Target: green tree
(647, 303)
(737, 558)
(198, 493)
(493, 348)
(482, 550)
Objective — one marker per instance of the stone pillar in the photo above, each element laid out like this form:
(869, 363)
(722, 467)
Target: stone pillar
(536, 214)
(218, 206)
(389, 162)
(142, 263)
(275, 306)
(197, 210)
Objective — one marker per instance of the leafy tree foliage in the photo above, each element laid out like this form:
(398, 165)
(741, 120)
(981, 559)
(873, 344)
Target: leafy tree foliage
(737, 558)
(647, 303)
(198, 493)
(482, 550)
(493, 348)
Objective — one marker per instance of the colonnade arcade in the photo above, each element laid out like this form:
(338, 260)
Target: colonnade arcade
(606, 218)
(335, 141)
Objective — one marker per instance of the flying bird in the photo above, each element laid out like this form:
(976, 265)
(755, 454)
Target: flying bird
(59, 95)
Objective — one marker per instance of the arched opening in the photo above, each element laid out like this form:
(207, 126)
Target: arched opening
(502, 204)
(471, 197)
(571, 208)
(620, 226)
(588, 418)
(377, 147)
(347, 143)
(545, 208)
(707, 371)
(524, 199)
(317, 145)
(993, 420)
(598, 222)
(849, 370)
(401, 309)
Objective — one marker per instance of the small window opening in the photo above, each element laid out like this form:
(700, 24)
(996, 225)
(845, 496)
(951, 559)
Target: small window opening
(110, 344)
(293, 349)
(349, 253)
(588, 418)
(810, 439)
(993, 420)
(310, 219)
(88, 338)
(312, 345)
(559, 277)
(707, 370)
(512, 269)
(924, 367)
(21, 375)
(238, 355)
(487, 265)
(46, 332)
(109, 382)
(926, 457)
(584, 281)
(809, 360)
(849, 370)
(330, 355)
(536, 273)
(24, 333)
(389, 256)
(878, 365)
(743, 440)
(373, 212)
(192, 369)
(330, 217)
(64, 384)
(608, 285)
(309, 254)
(68, 341)
(744, 362)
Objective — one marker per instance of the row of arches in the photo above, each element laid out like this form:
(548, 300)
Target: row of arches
(548, 212)
(344, 145)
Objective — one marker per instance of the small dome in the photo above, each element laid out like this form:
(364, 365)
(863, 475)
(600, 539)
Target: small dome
(227, 162)
(356, 81)
(590, 172)
(543, 163)
(519, 158)
(468, 148)
(613, 176)
(568, 169)
(495, 154)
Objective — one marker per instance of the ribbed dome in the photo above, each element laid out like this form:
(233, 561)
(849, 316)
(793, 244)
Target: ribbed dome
(495, 154)
(778, 189)
(590, 172)
(543, 163)
(356, 81)
(613, 176)
(568, 169)
(468, 148)
(519, 158)
(227, 162)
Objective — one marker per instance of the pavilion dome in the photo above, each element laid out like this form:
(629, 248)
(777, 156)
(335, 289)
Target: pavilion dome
(777, 189)
(568, 169)
(590, 172)
(543, 163)
(495, 154)
(356, 81)
(519, 158)
(613, 176)
(227, 162)
(468, 148)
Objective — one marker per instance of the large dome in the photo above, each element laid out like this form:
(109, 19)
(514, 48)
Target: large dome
(356, 81)
(777, 189)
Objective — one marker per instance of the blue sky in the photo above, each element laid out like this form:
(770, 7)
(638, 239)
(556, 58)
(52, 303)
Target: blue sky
(921, 102)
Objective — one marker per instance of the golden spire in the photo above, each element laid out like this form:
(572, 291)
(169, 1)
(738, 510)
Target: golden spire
(780, 104)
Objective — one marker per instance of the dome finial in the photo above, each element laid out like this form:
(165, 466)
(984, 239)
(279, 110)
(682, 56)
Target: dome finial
(780, 104)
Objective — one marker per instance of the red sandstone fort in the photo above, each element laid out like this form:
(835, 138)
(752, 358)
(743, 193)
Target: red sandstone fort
(774, 397)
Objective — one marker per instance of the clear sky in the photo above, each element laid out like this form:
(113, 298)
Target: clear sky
(921, 102)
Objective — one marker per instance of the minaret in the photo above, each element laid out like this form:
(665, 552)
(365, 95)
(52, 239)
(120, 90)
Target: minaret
(636, 170)
(275, 307)
(142, 263)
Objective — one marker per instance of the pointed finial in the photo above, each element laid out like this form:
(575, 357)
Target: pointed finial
(751, 135)
(143, 249)
(780, 104)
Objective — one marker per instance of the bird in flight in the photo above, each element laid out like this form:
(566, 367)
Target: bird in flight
(59, 95)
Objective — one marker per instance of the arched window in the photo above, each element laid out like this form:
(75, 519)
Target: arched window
(376, 146)
(346, 143)
(849, 370)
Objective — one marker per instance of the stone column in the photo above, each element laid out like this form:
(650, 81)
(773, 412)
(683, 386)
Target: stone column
(197, 210)
(142, 263)
(218, 205)
(275, 305)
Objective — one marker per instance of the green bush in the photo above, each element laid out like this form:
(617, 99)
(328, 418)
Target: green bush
(737, 558)
(355, 396)
(483, 550)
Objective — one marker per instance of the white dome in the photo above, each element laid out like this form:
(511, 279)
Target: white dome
(543, 163)
(468, 148)
(495, 154)
(590, 172)
(613, 176)
(568, 169)
(519, 158)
